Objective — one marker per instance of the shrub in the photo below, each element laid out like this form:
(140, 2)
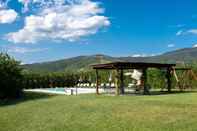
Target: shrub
(10, 77)
(51, 80)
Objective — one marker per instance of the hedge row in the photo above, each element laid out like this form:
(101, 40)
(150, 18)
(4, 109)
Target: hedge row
(53, 80)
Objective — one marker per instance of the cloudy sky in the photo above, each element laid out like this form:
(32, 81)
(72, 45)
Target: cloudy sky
(45, 30)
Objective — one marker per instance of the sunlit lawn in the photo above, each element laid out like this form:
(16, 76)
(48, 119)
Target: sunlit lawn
(174, 112)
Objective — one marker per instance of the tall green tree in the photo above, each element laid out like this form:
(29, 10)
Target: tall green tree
(10, 77)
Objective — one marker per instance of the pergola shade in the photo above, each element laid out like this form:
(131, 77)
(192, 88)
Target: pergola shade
(120, 66)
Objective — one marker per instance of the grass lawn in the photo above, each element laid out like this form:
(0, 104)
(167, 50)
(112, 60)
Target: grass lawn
(39, 112)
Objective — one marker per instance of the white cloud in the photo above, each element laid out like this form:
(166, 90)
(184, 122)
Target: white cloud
(179, 33)
(144, 55)
(140, 55)
(194, 46)
(23, 50)
(136, 55)
(4, 3)
(171, 45)
(192, 31)
(61, 21)
(7, 15)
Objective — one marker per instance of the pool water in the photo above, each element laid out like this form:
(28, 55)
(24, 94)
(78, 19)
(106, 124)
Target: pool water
(70, 91)
(57, 89)
(66, 91)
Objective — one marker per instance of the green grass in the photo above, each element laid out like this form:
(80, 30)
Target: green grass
(38, 112)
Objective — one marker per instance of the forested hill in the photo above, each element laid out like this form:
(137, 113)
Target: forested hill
(80, 63)
(71, 64)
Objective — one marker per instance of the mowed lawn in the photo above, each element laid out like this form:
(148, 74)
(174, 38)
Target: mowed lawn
(38, 112)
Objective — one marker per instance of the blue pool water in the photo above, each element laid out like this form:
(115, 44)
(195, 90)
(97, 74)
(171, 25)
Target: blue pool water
(67, 91)
(57, 89)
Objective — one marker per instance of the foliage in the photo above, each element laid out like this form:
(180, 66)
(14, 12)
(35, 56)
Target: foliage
(64, 79)
(10, 77)
(156, 78)
(49, 80)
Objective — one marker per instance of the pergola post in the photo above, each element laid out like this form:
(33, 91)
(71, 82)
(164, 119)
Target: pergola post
(120, 66)
(117, 81)
(122, 82)
(144, 81)
(97, 82)
(168, 77)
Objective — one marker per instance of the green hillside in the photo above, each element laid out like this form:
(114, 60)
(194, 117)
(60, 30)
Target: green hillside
(186, 54)
(83, 62)
(70, 64)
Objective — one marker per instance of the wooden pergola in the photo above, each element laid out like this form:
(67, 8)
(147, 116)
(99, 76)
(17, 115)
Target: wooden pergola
(119, 67)
(186, 73)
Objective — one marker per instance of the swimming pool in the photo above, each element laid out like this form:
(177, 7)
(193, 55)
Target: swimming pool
(66, 91)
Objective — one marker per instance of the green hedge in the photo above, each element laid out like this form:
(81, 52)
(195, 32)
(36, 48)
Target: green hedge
(51, 80)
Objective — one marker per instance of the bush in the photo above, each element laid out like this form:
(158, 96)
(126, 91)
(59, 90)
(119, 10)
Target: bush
(10, 77)
(52, 80)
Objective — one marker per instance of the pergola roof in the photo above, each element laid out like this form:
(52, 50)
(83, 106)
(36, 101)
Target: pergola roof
(131, 65)
(183, 68)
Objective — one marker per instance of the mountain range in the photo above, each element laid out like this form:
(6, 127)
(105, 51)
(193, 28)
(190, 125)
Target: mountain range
(82, 63)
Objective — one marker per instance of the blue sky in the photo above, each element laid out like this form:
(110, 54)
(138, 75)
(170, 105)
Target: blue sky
(111, 27)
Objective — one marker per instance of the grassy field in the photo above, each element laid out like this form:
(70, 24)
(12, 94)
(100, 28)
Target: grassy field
(39, 112)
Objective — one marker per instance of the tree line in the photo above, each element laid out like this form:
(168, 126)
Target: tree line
(50, 80)
(13, 78)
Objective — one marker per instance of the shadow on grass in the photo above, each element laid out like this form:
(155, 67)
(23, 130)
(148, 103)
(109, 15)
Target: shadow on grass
(172, 92)
(157, 92)
(27, 96)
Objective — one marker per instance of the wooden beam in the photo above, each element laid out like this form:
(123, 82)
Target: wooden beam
(194, 75)
(176, 78)
(131, 65)
(97, 82)
(175, 75)
(181, 69)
